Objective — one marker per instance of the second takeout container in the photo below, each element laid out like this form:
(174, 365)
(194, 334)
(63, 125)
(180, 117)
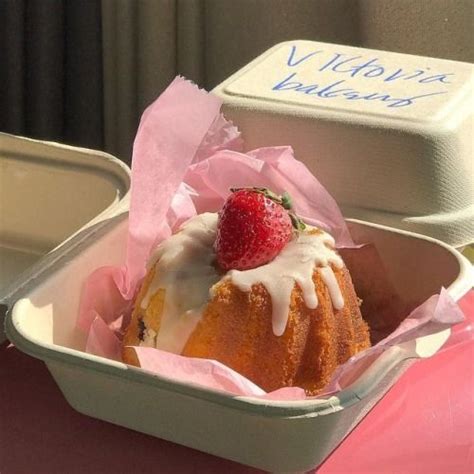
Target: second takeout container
(49, 192)
(278, 436)
(390, 135)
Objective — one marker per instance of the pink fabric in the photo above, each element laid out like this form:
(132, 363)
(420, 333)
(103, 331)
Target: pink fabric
(207, 373)
(437, 313)
(272, 167)
(169, 138)
(169, 135)
(102, 297)
(102, 340)
(186, 157)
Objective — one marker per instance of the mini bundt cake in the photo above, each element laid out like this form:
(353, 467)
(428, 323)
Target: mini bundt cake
(288, 322)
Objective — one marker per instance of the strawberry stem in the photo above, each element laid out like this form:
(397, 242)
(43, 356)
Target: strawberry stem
(298, 224)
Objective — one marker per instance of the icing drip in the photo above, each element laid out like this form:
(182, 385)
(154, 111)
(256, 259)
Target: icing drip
(186, 273)
(295, 264)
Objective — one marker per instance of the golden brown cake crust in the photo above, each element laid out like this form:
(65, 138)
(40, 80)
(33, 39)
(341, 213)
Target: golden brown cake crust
(132, 335)
(236, 329)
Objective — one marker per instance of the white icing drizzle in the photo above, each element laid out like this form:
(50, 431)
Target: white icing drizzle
(149, 338)
(295, 264)
(329, 279)
(187, 274)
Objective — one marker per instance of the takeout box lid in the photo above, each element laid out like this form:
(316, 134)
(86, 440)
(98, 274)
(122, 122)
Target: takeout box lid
(388, 134)
(50, 192)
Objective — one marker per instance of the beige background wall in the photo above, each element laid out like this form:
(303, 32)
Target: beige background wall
(147, 42)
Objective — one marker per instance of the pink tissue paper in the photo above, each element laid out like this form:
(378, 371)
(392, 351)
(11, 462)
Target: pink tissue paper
(186, 157)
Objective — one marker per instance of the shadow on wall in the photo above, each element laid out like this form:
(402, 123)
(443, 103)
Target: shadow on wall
(83, 73)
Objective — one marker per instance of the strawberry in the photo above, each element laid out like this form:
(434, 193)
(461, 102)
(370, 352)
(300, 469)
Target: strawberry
(253, 227)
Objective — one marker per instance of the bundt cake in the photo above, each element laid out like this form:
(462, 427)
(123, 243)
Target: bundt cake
(288, 322)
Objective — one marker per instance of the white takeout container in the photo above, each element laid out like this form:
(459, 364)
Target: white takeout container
(49, 192)
(275, 436)
(390, 135)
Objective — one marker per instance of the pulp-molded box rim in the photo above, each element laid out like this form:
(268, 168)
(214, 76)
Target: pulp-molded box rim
(426, 345)
(259, 433)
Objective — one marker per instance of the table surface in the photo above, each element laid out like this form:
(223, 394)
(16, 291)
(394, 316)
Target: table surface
(425, 423)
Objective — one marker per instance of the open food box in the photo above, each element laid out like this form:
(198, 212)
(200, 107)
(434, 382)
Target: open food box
(271, 434)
